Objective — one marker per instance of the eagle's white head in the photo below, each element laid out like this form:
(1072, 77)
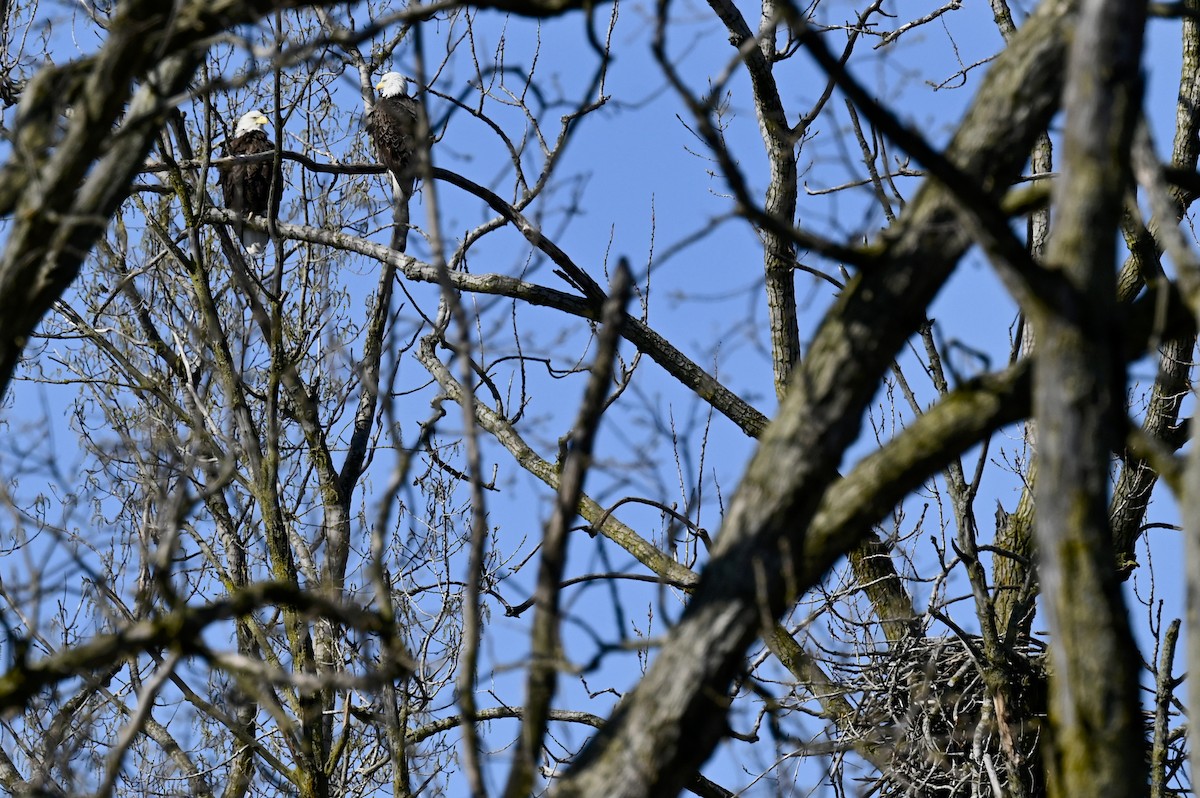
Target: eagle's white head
(251, 121)
(393, 84)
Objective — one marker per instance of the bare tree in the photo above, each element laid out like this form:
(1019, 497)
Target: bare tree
(471, 515)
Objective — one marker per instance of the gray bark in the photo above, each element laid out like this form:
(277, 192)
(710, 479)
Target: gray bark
(1097, 745)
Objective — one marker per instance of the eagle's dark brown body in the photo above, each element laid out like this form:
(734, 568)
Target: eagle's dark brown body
(394, 128)
(247, 185)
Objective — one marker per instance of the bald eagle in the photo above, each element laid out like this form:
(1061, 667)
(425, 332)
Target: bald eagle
(393, 126)
(247, 185)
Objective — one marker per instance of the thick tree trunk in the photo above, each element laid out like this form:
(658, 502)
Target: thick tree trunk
(1096, 745)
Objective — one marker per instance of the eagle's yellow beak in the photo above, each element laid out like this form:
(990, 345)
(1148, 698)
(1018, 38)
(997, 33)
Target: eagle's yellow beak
(262, 120)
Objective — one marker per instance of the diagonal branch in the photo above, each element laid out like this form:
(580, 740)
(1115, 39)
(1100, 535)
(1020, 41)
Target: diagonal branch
(641, 335)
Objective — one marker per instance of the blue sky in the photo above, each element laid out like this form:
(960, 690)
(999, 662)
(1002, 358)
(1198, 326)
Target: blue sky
(635, 182)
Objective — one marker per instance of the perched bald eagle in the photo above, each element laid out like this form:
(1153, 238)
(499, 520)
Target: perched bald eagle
(393, 126)
(247, 185)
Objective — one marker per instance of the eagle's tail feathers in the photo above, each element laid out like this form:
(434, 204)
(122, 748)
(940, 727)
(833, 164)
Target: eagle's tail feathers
(255, 241)
(400, 198)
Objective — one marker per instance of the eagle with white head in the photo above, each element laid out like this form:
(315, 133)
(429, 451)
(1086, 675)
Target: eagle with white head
(394, 128)
(247, 184)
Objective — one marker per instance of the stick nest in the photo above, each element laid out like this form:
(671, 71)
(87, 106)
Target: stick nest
(926, 712)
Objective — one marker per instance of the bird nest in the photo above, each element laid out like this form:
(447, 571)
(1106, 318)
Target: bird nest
(926, 718)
